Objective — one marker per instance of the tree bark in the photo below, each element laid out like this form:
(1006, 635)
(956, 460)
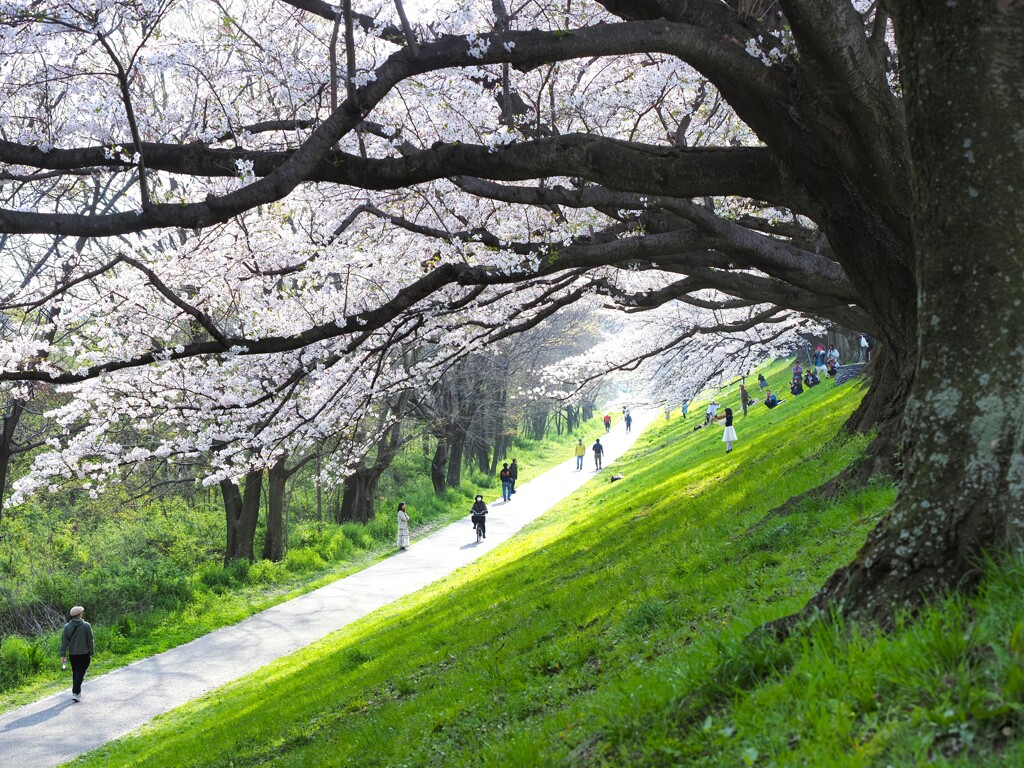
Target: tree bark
(7, 450)
(242, 512)
(457, 443)
(273, 543)
(437, 466)
(357, 504)
(963, 494)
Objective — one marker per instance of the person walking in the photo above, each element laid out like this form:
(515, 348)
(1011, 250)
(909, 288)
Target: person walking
(744, 398)
(686, 408)
(506, 483)
(598, 450)
(863, 349)
(629, 422)
(729, 435)
(581, 451)
(478, 515)
(77, 645)
(607, 422)
(513, 472)
(403, 527)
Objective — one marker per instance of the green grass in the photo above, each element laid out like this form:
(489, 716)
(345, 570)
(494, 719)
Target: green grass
(212, 596)
(616, 631)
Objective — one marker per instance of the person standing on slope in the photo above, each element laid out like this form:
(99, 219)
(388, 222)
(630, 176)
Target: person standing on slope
(403, 527)
(76, 644)
(729, 435)
(581, 451)
(598, 450)
(744, 398)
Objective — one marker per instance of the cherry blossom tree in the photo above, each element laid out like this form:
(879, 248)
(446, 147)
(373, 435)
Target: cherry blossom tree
(343, 183)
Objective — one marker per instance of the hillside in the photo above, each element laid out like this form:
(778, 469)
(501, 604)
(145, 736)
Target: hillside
(615, 632)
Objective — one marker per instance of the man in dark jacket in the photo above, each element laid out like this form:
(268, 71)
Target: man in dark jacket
(76, 643)
(513, 472)
(598, 453)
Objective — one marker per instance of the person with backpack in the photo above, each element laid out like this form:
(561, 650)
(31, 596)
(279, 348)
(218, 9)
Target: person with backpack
(598, 450)
(506, 482)
(581, 451)
(78, 646)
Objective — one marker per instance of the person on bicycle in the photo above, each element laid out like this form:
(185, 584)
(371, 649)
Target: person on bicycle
(479, 515)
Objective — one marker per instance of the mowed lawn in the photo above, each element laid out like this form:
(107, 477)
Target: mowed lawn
(616, 631)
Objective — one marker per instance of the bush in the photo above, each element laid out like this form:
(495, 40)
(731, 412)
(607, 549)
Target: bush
(303, 559)
(214, 577)
(357, 534)
(383, 528)
(19, 658)
(264, 572)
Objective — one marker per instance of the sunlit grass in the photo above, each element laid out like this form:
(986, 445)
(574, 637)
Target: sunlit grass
(616, 631)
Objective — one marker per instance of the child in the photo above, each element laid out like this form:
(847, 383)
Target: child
(729, 435)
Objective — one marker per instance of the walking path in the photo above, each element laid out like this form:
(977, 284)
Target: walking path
(54, 730)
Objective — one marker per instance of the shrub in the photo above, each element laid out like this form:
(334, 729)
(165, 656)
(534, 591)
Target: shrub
(383, 528)
(303, 559)
(215, 577)
(264, 572)
(19, 658)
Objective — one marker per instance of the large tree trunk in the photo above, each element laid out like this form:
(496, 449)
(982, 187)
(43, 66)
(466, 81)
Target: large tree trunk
(454, 475)
(12, 416)
(437, 466)
(483, 457)
(963, 493)
(357, 504)
(273, 543)
(242, 513)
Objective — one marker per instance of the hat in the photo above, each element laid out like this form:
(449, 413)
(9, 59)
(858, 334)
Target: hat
(479, 497)
(76, 611)
(820, 347)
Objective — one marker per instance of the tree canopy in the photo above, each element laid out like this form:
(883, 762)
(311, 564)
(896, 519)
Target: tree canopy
(251, 213)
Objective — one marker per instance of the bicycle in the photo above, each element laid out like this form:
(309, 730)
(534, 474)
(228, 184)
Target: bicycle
(478, 526)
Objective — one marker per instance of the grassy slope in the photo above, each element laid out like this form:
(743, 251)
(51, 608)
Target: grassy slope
(612, 631)
(159, 630)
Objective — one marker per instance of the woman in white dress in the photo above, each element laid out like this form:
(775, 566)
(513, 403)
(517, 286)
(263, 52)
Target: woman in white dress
(729, 435)
(403, 527)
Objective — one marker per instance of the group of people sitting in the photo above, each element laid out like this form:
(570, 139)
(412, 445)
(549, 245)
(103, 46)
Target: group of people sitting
(802, 377)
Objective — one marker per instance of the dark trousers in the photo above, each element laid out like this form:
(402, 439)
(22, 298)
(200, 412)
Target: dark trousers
(79, 663)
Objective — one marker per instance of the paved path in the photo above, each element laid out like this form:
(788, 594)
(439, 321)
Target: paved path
(54, 730)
